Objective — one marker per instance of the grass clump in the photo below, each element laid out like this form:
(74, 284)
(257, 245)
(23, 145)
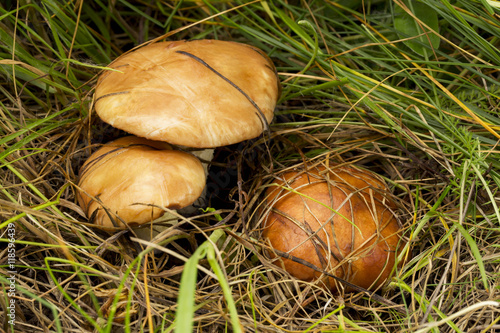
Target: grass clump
(418, 106)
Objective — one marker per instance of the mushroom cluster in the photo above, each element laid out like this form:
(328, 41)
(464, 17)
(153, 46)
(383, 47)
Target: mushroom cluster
(334, 219)
(189, 94)
(326, 222)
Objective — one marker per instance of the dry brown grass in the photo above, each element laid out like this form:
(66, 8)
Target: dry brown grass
(73, 277)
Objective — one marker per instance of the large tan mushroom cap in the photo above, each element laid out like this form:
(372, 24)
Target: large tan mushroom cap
(130, 174)
(342, 222)
(201, 93)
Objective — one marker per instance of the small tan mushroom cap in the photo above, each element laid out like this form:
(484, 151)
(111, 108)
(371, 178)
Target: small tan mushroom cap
(342, 222)
(127, 176)
(201, 93)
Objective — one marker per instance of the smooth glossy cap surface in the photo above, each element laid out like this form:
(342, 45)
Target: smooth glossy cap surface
(339, 219)
(201, 93)
(127, 176)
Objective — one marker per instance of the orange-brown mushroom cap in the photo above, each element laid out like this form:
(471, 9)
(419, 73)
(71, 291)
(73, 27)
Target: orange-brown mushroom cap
(201, 93)
(339, 219)
(126, 178)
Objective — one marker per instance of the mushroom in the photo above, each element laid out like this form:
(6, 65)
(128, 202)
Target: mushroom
(131, 179)
(199, 94)
(339, 219)
(192, 94)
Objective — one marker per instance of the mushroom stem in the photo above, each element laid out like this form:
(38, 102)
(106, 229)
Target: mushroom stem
(206, 156)
(152, 230)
